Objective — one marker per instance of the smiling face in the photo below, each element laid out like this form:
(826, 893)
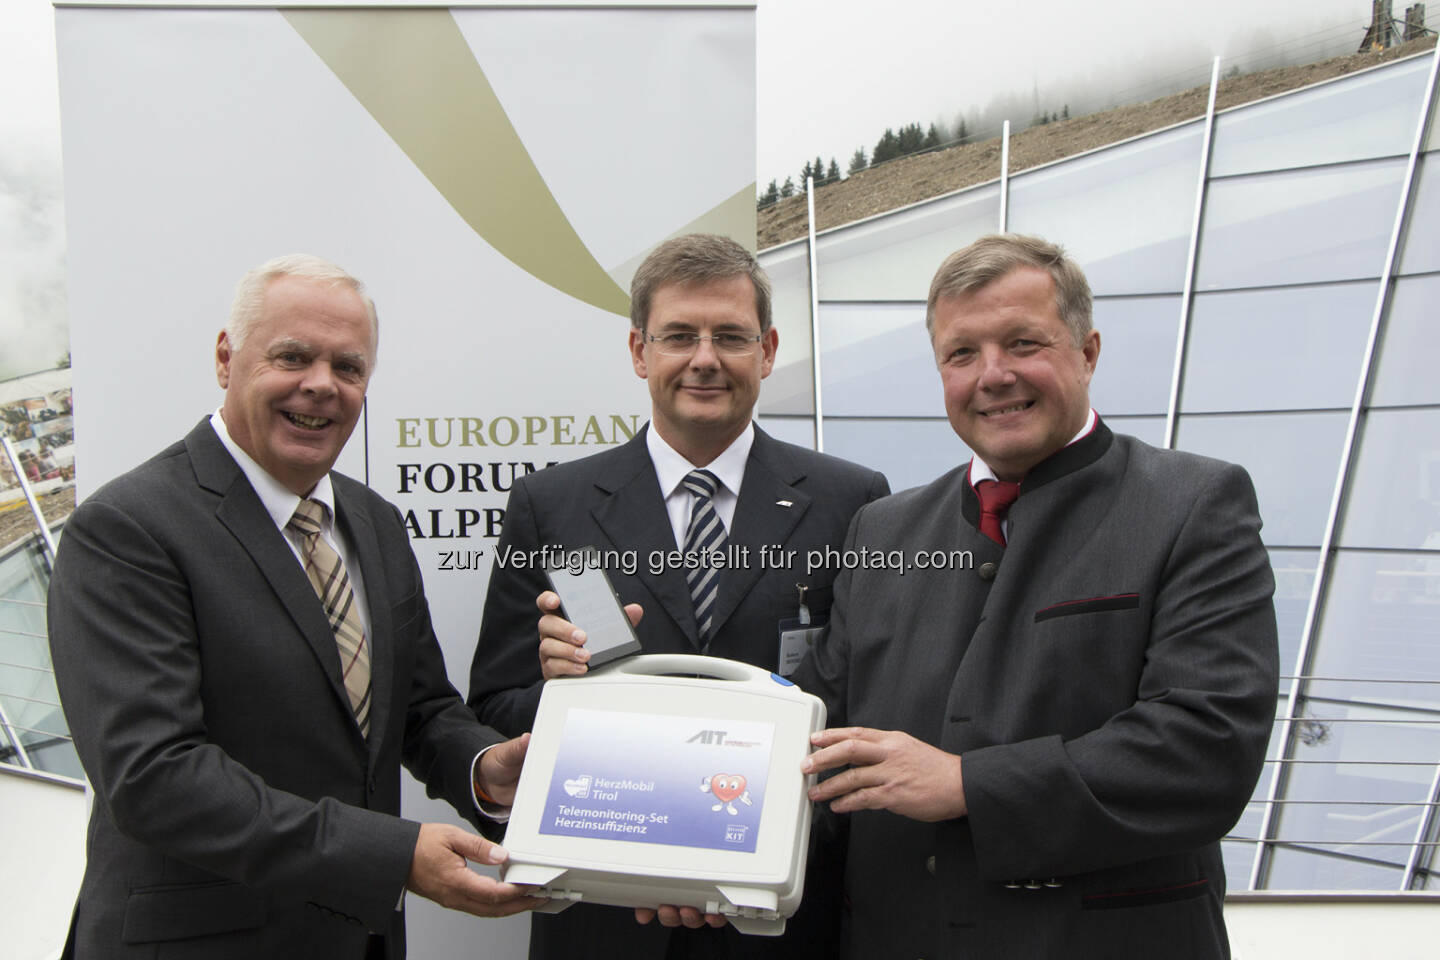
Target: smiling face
(701, 403)
(1017, 388)
(295, 386)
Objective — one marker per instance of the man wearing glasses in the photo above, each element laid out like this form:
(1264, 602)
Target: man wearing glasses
(700, 476)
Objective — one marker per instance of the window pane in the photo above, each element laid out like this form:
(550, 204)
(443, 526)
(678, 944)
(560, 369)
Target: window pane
(1137, 354)
(1238, 859)
(1123, 213)
(1294, 582)
(1302, 870)
(1292, 458)
(1289, 349)
(908, 452)
(27, 683)
(1380, 621)
(894, 256)
(1301, 226)
(1407, 370)
(788, 389)
(1371, 115)
(1149, 429)
(1394, 496)
(797, 430)
(1421, 252)
(875, 360)
(1370, 768)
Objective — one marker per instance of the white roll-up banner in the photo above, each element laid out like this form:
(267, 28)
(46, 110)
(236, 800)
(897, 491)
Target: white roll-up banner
(493, 173)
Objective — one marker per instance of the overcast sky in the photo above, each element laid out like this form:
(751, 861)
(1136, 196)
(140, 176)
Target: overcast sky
(831, 76)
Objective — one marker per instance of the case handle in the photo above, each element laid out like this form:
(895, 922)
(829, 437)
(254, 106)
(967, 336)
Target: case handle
(660, 664)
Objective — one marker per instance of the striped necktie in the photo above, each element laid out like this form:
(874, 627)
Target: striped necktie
(705, 534)
(332, 584)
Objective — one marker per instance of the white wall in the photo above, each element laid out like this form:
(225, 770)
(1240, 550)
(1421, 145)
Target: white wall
(42, 834)
(1334, 926)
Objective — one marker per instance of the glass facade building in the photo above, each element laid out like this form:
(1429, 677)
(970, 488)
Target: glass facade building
(1261, 280)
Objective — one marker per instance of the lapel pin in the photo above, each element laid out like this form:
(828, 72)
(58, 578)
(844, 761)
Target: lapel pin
(784, 503)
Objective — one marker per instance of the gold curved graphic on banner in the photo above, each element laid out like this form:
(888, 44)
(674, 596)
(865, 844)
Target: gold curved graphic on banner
(415, 74)
(732, 217)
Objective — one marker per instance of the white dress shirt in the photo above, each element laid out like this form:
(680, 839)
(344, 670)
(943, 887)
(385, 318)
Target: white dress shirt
(671, 469)
(980, 470)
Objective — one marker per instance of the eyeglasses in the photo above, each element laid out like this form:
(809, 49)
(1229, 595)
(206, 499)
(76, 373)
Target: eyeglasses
(685, 344)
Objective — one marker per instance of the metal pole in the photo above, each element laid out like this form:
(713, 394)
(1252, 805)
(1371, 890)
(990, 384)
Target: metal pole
(29, 496)
(1337, 498)
(815, 316)
(1188, 292)
(1004, 176)
(1428, 821)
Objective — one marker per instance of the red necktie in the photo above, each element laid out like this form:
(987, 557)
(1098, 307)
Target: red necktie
(996, 496)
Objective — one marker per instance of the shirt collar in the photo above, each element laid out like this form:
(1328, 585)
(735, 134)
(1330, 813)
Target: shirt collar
(277, 499)
(671, 468)
(980, 470)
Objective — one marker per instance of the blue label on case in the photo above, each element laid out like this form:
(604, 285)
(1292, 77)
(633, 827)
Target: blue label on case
(654, 778)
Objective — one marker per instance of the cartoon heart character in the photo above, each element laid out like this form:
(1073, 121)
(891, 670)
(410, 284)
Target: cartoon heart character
(727, 788)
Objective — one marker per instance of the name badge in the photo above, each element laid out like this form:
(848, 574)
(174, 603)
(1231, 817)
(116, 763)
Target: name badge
(796, 639)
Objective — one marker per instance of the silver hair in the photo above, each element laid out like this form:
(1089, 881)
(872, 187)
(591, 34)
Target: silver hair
(250, 292)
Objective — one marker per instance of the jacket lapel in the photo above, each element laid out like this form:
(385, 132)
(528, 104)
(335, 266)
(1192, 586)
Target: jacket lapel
(767, 511)
(632, 516)
(241, 512)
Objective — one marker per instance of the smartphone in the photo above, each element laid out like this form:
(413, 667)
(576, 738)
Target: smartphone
(588, 600)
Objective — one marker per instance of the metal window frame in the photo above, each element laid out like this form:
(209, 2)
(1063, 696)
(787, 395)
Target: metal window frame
(813, 255)
(1325, 563)
(1187, 290)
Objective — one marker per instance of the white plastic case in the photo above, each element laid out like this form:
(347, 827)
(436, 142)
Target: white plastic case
(668, 779)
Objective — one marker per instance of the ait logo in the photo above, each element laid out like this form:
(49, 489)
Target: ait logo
(727, 788)
(578, 787)
(714, 737)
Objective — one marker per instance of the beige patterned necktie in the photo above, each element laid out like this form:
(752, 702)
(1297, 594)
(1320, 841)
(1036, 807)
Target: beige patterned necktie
(332, 584)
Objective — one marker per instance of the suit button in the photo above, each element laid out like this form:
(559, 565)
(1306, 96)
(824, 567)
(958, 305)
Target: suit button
(1012, 885)
(930, 864)
(987, 571)
(1053, 884)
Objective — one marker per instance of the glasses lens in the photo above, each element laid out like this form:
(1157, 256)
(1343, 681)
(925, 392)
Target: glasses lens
(685, 344)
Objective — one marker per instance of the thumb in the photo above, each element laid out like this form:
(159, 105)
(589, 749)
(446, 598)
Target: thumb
(511, 753)
(476, 848)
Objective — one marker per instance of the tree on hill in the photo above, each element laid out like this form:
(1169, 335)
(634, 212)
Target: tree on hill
(788, 189)
(888, 148)
(771, 195)
(932, 138)
(858, 161)
(832, 173)
(911, 138)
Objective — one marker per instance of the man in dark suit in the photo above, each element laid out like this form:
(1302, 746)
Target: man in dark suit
(243, 731)
(701, 338)
(1045, 731)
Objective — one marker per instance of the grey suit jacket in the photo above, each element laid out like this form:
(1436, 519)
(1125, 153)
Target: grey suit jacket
(790, 496)
(1109, 681)
(238, 811)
